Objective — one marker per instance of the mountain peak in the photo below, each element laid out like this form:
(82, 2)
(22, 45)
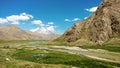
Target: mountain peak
(100, 27)
(45, 33)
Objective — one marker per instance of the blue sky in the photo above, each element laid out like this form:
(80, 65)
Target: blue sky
(54, 15)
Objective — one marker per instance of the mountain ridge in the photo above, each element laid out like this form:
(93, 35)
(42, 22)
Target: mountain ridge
(11, 32)
(46, 35)
(103, 25)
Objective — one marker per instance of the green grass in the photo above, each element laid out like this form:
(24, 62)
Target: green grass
(58, 43)
(53, 57)
(41, 42)
(113, 48)
(16, 63)
(16, 43)
(110, 45)
(26, 64)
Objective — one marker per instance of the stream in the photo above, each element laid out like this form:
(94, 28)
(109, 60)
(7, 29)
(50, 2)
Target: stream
(97, 54)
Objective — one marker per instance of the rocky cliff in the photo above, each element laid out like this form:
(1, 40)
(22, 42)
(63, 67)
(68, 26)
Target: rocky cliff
(103, 25)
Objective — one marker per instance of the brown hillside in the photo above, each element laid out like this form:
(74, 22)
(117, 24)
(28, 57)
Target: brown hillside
(14, 33)
(100, 27)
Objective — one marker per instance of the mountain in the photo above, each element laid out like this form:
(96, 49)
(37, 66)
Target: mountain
(35, 35)
(45, 34)
(10, 32)
(102, 26)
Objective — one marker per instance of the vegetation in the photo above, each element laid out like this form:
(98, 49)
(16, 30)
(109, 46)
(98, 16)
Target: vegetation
(113, 48)
(111, 45)
(53, 57)
(56, 42)
(22, 56)
(14, 43)
(8, 61)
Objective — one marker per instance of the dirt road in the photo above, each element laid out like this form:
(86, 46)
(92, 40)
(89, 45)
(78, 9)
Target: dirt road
(97, 54)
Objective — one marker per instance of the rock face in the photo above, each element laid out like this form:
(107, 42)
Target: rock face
(14, 33)
(100, 27)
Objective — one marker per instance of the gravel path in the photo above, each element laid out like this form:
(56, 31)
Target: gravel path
(97, 54)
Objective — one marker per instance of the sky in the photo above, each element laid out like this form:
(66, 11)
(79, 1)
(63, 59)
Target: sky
(46, 15)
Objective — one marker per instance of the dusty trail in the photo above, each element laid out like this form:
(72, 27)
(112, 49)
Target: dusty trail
(97, 54)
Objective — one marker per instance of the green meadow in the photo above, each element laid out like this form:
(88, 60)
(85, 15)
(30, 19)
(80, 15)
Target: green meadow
(19, 54)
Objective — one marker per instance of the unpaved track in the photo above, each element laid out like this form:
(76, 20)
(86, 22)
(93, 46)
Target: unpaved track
(97, 54)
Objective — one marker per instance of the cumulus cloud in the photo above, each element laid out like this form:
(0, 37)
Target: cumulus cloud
(14, 19)
(15, 22)
(22, 16)
(93, 9)
(73, 20)
(44, 30)
(67, 20)
(34, 30)
(76, 19)
(38, 22)
(50, 28)
(50, 23)
(85, 17)
(2, 21)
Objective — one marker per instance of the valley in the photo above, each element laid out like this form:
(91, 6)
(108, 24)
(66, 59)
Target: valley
(92, 41)
(40, 54)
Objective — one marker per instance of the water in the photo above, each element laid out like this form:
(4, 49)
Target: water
(38, 55)
(34, 42)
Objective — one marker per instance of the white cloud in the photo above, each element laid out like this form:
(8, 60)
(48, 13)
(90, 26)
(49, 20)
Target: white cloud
(76, 19)
(14, 19)
(44, 30)
(47, 30)
(16, 22)
(93, 9)
(33, 30)
(50, 28)
(73, 20)
(85, 17)
(27, 15)
(50, 23)
(67, 20)
(22, 16)
(2, 21)
(38, 22)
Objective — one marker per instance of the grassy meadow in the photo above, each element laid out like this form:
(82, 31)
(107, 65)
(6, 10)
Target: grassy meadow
(17, 55)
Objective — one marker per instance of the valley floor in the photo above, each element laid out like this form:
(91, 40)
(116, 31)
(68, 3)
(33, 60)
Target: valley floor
(33, 54)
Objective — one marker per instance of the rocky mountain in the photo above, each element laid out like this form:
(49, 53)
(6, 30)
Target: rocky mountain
(45, 34)
(11, 32)
(103, 25)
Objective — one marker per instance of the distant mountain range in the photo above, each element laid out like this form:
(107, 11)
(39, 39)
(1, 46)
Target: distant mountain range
(46, 34)
(14, 33)
(102, 26)
(11, 32)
